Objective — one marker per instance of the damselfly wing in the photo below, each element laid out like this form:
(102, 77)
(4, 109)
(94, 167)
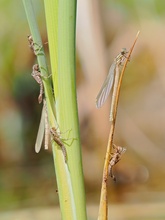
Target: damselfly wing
(41, 131)
(106, 87)
(43, 128)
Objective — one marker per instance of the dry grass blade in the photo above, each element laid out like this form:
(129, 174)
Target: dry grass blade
(103, 209)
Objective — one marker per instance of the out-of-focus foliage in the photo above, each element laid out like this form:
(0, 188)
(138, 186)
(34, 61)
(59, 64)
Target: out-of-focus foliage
(103, 28)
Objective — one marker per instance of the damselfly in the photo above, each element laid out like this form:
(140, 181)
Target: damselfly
(108, 83)
(43, 128)
(36, 74)
(57, 139)
(31, 43)
(115, 158)
(34, 46)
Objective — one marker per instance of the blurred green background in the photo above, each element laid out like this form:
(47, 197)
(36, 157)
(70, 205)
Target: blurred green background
(27, 179)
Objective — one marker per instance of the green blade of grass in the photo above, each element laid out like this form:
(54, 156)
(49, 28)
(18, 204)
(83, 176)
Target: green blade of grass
(41, 59)
(61, 19)
(64, 186)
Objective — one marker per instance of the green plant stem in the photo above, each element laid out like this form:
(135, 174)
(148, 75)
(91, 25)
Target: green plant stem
(61, 19)
(41, 59)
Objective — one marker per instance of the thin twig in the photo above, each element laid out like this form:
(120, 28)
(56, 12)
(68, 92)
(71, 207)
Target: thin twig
(115, 87)
(103, 209)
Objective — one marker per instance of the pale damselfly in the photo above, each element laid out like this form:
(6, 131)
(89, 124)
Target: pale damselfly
(115, 158)
(36, 74)
(108, 83)
(56, 137)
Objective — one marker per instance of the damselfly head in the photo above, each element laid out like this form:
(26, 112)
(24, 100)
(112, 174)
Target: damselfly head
(123, 150)
(30, 38)
(119, 149)
(35, 67)
(124, 51)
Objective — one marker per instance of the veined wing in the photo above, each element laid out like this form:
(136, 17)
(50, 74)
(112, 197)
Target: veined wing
(41, 130)
(106, 87)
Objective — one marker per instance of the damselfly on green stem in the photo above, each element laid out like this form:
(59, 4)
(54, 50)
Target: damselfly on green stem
(57, 139)
(36, 74)
(34, 46)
